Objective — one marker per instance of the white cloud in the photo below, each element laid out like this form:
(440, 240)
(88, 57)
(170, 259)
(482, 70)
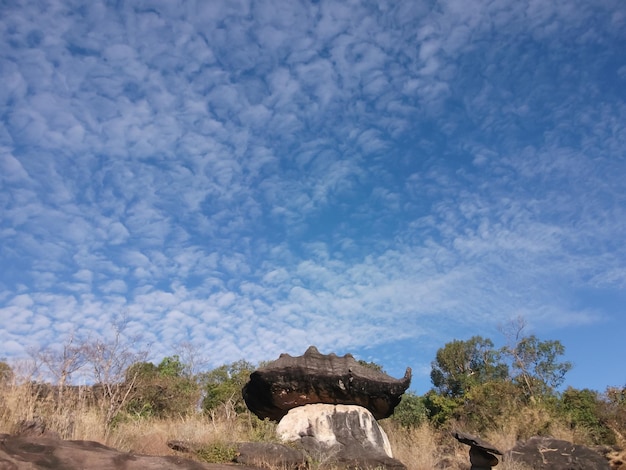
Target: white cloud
(258, 179)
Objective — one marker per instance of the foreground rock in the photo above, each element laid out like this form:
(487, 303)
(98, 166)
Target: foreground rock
(270, 455)
(547, 453)
(313, 378)
(33, 453)
(339, 436)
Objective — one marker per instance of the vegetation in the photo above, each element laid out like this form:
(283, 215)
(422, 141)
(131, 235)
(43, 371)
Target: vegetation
(503, 395)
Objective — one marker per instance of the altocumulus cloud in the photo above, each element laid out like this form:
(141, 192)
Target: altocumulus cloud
(370, 177)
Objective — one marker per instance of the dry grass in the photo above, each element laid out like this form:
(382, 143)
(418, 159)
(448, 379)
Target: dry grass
(420, 448)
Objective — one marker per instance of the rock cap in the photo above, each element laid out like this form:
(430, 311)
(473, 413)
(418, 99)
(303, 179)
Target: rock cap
(313, 378)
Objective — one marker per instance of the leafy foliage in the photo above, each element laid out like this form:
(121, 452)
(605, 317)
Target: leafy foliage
(583, 408)
(217, 453)
(536, 362)
(441, 408)
(460, 365)
(223, 385)
(163, 390)
(411, 411)
(491, 403)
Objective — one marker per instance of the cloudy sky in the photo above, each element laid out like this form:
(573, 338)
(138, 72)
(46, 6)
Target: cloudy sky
(253, 177)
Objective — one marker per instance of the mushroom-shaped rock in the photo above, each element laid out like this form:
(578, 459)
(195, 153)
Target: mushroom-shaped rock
(312, 378)
(482, 454)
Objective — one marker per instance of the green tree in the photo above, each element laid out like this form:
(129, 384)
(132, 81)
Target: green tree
(460, 365)
(583, 410)
(171, 366)
(536, 365)
(491, 404)
(223, 385)
(411, 411)
(441, 408)
(163, 390)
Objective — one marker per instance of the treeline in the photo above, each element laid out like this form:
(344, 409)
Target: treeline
(481, 388)
(475, 386)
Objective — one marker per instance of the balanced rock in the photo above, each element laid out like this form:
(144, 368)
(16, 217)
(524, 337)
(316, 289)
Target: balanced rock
(546, 453)
(313, 378)
(338, 435)
(482, 454)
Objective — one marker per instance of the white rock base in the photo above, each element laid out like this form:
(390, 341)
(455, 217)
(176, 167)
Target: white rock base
(334, 425)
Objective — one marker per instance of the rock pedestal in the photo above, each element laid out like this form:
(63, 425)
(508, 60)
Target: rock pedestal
(338, 434)
(328, 405)
(482, 454)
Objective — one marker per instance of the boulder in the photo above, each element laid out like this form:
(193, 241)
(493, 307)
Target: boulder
(33, 453)
(338, 435)
(547, 453)
(482, 454)
(290, 382)
(270, 454)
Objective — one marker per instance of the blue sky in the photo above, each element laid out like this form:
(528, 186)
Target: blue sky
(253, 177)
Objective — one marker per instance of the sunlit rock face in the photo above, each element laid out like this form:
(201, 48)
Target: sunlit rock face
(290, 382)
(345, 431)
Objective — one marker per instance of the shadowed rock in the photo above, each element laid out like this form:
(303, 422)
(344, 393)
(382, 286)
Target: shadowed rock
(482, 454)
(547, 453)
(27, 452)
(314, 378)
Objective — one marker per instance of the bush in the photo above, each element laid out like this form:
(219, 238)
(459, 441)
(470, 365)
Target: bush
(491, 404)
(217, 452)
(411, 411)
(582, 410)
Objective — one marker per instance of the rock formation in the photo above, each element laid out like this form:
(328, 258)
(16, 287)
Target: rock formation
(313, 378)
(32, 453)
(547, 453)
(345, 434)
(482, 454)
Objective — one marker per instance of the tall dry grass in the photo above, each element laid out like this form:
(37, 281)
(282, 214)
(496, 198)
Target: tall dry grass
(73, 416)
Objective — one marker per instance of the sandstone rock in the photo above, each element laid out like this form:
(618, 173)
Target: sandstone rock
(312, 378)
(269, 454)
(34, 453)
(345, 435)
(547, 453)
(482, 454)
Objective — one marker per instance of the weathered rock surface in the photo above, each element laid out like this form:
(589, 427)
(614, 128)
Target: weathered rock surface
(312, 378)
(344, 435)
(33, 453)
(269, 454)
(482, 454)
(547, 453)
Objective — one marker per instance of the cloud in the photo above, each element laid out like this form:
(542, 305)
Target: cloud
(255, 179)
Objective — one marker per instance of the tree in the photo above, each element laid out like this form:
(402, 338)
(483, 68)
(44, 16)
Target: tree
(223, 385)
(163, 390)
(411, 411)
(109, 360)
(491, 404)
(459, 365)
(171, 367)
(535, 363)
(583, 410)
(62, 362)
